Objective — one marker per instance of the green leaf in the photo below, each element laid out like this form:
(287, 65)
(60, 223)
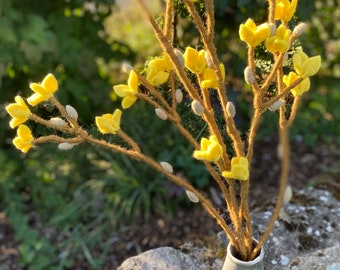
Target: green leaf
(7, 33)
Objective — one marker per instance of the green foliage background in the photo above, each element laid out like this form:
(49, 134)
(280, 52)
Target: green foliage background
(63, 205)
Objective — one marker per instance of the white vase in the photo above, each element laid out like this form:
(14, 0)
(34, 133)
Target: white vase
(232, 263)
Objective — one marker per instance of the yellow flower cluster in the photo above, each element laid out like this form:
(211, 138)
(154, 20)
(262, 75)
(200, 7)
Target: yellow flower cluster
(285, 10)
(24, 139)
(128, 92)
(109, 123)
(196, 62)
(44, 90)
(210, 151)
(21, 113)
(304, 67)
(253, 35)
(278, 40)
(157, 71)
(239, 169)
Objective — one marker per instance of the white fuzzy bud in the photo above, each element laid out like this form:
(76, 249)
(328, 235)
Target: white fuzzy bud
(71, 112)
(65, 146)
(285, 57)
(197, 108)
(230, 107)
(208, 60)
(179, 56)
(179, 95)
(126, 67)
(166, 166)
(248, 75)
(279, 151)
(287, 196)
(299, 29)
(192, 196)
(276, 105)
(272, 27)
(161, 114)
(58, 122)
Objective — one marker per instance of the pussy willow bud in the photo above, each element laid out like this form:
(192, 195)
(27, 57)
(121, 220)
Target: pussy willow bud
(272, 27)
(248, 75)
(197, 108)
(299, 29)
(287, 196)
(279, 151)
(65, 146)
(208, 60)
(166, 166)
(58, 122)
(179, 95)
(126, 67)
(276, 105)
(161, 114)
(285, 57)
(230, 109)
(179, 56)
(71, 112)
(192, 196)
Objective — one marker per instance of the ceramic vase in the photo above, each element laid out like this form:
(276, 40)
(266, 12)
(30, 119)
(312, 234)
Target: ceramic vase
(233, 263)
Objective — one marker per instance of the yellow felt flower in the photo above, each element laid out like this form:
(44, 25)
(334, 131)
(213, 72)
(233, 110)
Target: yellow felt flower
(128, 92)
(279, 42)
(24, 139)
(158, 69)
(306, 66)
(210, 77)
(44, 90)
(253, 35)
(300, 88)
(239, 169)
(19, 111)
(211, 150)
(285, 10)
(194, 60)
(109, 123)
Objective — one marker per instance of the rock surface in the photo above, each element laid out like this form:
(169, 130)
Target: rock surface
(168, 258)
(306, 237)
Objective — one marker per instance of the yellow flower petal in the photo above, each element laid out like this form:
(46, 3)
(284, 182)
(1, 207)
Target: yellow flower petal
(19, 111)
(246, 34)
(122, 90)
(50, 83)
(133, 81)
(305, 66)
(128, 101)
(38, 88)
(312, 66)
(156, 78)
(35, 99)
(209, 79)
(262, 32)
(194, 60)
